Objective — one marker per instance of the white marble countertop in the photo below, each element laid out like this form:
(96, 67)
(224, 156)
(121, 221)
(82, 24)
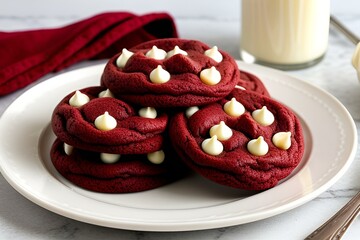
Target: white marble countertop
(22, 219)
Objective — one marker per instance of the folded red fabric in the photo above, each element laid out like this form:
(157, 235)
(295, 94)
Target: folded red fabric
(28, 55)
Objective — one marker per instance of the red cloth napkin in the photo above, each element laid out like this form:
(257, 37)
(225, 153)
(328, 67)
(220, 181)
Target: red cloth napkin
(28, 55)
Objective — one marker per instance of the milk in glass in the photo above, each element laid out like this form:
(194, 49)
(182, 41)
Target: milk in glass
(286, 34)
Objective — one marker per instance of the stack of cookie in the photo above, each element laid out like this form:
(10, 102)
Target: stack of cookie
(167, 106)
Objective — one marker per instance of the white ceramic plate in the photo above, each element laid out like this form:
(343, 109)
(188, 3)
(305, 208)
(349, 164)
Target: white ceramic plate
(189, 204)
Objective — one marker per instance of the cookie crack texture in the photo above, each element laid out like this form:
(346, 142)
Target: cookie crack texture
(184, 89)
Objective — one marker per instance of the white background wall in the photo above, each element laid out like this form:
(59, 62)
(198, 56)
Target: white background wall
(223, 32)
(225, 9)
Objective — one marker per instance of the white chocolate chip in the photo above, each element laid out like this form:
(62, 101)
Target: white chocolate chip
(222, 131)
(258, 147)
(234, 108)
(282, 140)
(214, 54)
(263, 116)
(156, 157)
(212, 146)
(159, 75)
(148, 112)
(191, 110)
(123, 58)
(78, 99)
(106, 93)
(156, 53)
(109, 158)
(175, 51)
(240, 87)
(68, 149)
(105, 122)
(210, 76)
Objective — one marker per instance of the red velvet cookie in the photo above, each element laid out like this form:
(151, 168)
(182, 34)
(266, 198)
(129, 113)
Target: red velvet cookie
(106, 124)
(171, 73)
(257, 148)
(252, 83)
(125, 174)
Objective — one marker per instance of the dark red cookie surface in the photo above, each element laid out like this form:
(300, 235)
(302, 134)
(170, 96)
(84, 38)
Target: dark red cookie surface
(253, 83)
(184, 88)
(236, 166)
(133, 134)
(131, 173)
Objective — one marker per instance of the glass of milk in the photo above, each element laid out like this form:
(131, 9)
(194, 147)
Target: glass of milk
(284, 34)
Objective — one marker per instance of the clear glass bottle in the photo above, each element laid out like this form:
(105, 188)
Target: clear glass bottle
(284, 34)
